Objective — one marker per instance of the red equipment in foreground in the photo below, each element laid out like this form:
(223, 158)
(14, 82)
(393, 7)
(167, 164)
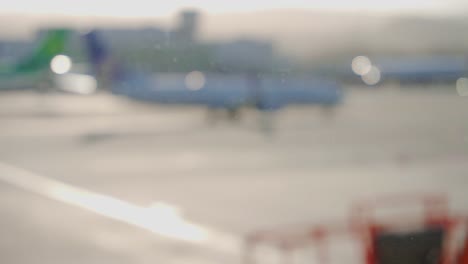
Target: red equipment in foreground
(432, 237)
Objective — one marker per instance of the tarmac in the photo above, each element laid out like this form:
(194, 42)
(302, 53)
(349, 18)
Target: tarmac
(103, 179)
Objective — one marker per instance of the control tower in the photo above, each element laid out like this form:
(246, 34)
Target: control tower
(187, 26)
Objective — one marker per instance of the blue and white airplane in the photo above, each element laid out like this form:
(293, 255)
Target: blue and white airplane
(423, 69)
(214, 90)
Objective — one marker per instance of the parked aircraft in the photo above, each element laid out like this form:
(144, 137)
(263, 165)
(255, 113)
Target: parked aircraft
(213, 90)
(33, 69)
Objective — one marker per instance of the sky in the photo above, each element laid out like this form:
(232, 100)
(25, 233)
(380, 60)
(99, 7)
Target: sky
(25, 16)
(154, 8)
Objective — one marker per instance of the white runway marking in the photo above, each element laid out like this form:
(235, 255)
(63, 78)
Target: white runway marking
(161, 219)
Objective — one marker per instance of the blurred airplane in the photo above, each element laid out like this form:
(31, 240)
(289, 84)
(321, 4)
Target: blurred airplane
(230, 92)
(216, 91)
(422, 69)
(34, 69)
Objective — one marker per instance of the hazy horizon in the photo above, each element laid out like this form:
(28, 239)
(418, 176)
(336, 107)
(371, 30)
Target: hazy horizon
(140, 8)
(29, 15)
(301, 33)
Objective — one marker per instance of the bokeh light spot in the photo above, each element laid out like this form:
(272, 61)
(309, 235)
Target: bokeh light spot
(195, 80)
(462, 86)
(61, 64)
(361, 65)
(372, 77)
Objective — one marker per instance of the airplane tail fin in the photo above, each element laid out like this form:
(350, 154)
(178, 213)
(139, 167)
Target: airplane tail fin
(104, 64)
(98, 52)
(53, 44)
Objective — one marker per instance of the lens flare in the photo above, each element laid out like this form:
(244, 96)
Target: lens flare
(195, 80)
(361, 65)
(372, 77)
(61, 64)
(462, 86)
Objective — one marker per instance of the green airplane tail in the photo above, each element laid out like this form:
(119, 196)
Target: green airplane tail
(53, 44)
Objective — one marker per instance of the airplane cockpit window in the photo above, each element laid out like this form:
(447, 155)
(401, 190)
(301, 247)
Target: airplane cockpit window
(238, 132)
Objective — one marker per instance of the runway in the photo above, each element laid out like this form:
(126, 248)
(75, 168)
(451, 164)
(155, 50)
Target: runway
(226, 179)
